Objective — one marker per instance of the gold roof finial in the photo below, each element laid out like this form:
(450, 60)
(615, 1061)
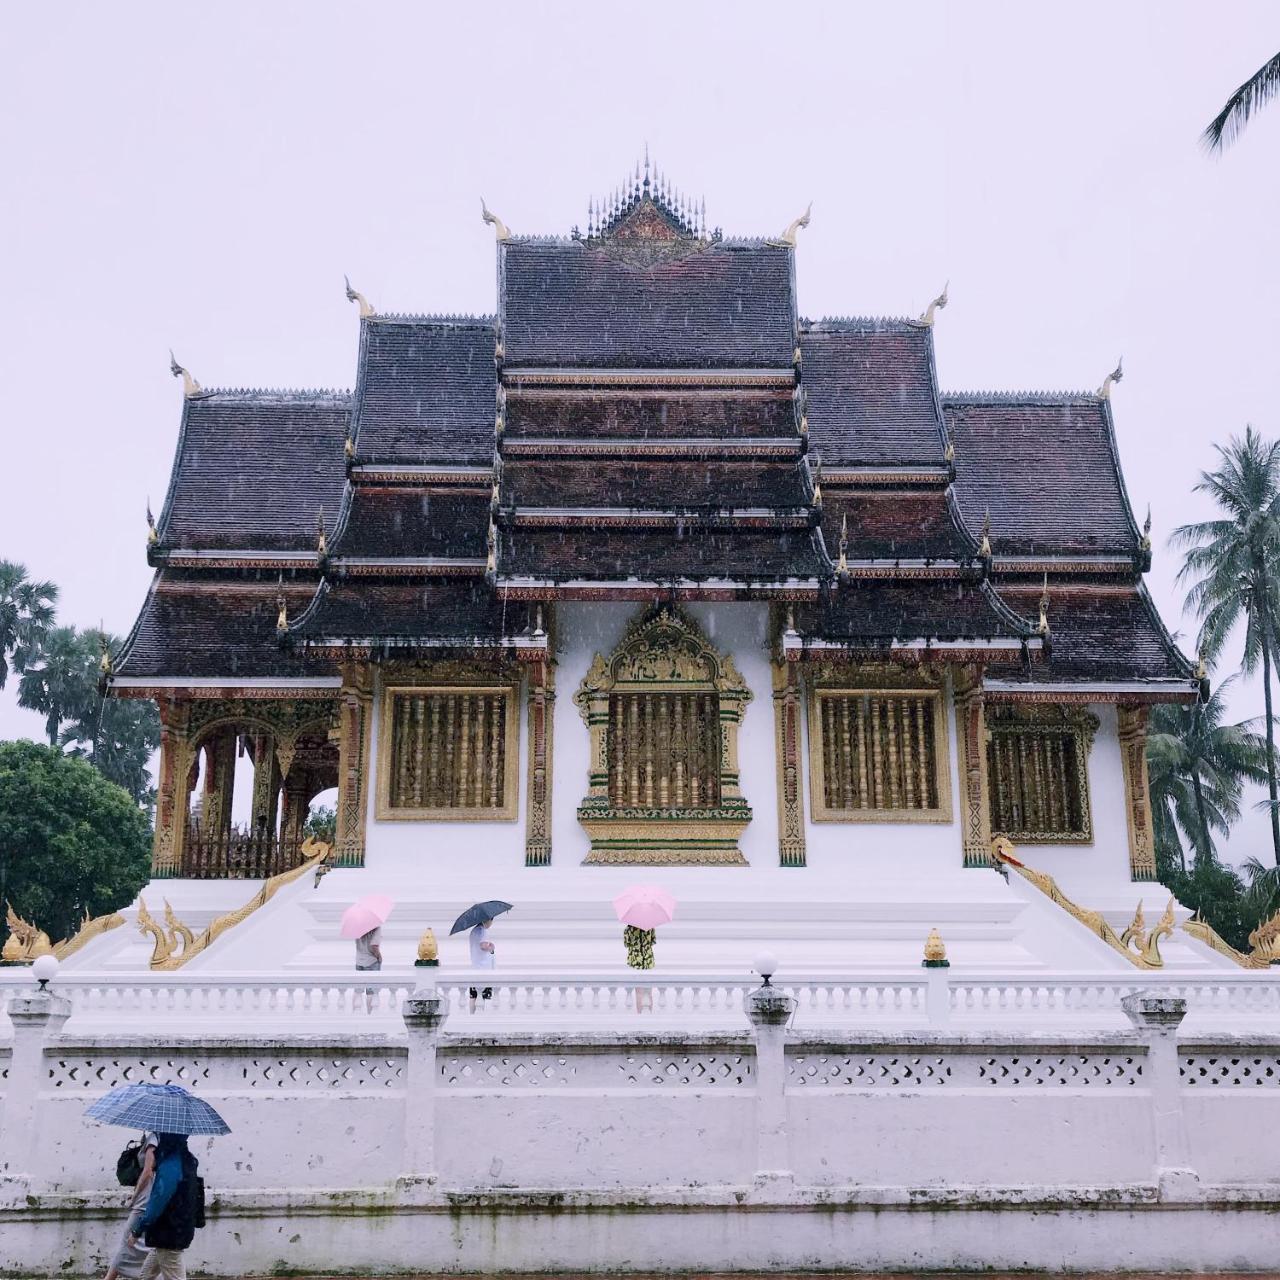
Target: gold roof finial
(282, 616)
(354, 295)
(189, 385)
(949, 453)
(104, 652)
(984, 548)
(499, 227)
(1042, 627)
(817, 480)
(498, 424)
(935, 306)
(322, 542)
(1146, 530)
(153, 534)
(796, 355)
(842, 566)
(1202, 667)
(788, 237)
(1104, 391)
(804, 424)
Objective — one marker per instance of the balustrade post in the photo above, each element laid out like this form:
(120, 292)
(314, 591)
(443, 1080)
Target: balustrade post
(769, 1010)
(425, 1012)
(1158, 1018)
(36, 1016)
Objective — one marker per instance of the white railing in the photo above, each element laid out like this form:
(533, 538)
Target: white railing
(919, 998)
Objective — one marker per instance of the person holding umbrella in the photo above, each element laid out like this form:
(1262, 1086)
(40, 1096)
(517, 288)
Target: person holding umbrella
(642, 908)
(362, 923)
(175, 1207)
(479, 918)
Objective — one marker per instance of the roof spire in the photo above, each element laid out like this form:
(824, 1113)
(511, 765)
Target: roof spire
(189, 385)
(935, 306)
(499, 227)
(702, 227)
(817, 480)
(984, 548)
(354, 295)
(153, 534)
(1104, 391)
(1042, 627)
(282, 617)
(842, 566)
(104, 652)
(646, 168)
(949, 453)
(349, 448)
(1146, 530)
(322, 542)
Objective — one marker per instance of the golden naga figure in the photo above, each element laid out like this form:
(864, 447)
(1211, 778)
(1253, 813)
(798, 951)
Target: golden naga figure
(1265, 941)
(25, 942)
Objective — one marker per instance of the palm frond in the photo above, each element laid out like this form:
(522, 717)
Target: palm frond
(1250, 97)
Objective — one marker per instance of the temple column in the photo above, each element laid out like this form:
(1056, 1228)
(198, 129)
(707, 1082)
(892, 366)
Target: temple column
(266, 785)
(786, 727)
(173, 789)
(971, 738)
(219, 784)
(295, 799)
(542, 696)
(355, 713)
(1133, 720)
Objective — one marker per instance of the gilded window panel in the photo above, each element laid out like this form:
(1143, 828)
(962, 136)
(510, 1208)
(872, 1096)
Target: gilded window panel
(1038, 760)
(448, 753)
(878, 755)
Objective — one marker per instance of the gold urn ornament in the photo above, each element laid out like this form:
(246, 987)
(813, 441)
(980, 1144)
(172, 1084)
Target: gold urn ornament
(428, 951)
(935, 952)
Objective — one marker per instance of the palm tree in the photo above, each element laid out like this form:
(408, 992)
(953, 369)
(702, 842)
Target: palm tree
(61, 679)
(1251, 96)
(1197, 768)
(26, 613)
(1234, 563)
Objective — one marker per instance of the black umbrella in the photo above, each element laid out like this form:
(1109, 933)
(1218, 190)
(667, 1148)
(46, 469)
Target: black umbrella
(478, 914)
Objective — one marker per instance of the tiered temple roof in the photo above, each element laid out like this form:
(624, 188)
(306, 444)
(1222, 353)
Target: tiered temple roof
(647, 417)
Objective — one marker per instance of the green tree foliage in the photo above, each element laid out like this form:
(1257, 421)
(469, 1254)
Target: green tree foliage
(1232, 564)
(26, 613)
(1215, 891)
(61, 680)
(322, 823)
(1249, 98)
(70, 841)
(1198, 767)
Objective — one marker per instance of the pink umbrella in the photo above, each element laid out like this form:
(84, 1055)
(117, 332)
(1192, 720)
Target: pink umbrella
(370, 912)
(645, 905)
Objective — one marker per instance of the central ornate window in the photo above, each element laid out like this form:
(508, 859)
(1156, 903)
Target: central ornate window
(663, 712)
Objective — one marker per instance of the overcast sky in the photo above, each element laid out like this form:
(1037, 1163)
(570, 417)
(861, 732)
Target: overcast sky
(201, 176)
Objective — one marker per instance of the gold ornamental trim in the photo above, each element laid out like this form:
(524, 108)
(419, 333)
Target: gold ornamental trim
(520, 378)
(1204, 932)
(316, 853)
(89, 929)
(1002, 852)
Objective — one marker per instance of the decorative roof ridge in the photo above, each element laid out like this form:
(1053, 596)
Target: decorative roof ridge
(856, 324)
(1021, 397)
(457, 320)
(301, 395)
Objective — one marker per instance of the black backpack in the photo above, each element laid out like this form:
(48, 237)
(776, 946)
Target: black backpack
(129, 1165)
(176, 1227)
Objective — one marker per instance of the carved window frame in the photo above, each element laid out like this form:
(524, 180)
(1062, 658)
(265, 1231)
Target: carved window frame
(820, 811)
(1042, 721)
(508, 811)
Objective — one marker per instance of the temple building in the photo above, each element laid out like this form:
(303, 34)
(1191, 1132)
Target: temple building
(647, 576)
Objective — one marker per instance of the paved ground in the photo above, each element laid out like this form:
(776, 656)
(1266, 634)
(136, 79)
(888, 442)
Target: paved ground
(860, 1275)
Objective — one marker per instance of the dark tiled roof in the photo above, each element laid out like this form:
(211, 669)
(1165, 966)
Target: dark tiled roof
(871, 394)
(199, 626)
(651, 415)
(439, 610)
(888, 524)
(253, 469)
(656, 483)
(425, 391)
(720, 306)
(877, 613)
(1047, 469)
(414, 522)
(1100, 633)
(659, 555)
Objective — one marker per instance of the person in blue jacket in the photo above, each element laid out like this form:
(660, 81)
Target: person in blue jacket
(173, 1211)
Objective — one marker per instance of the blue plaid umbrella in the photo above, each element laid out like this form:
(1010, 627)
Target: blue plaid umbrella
(163, 1108)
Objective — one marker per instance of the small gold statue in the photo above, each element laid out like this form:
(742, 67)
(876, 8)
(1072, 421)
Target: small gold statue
(428, 951)
(935, 952)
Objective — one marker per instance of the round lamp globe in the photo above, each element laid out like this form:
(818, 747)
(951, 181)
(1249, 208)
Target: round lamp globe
(44, 968)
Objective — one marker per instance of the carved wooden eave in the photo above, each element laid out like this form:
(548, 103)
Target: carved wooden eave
(663, 652)
(886, 477)
(407, 566)
(369, 648)
(796, 648)
(654, 518)
(699, 448)
(719, 379)
(214, 688)
(587, 590)
(1082, 692)
(370, 474)
(184, 558)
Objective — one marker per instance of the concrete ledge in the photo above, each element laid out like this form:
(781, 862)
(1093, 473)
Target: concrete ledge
(420, 1227)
